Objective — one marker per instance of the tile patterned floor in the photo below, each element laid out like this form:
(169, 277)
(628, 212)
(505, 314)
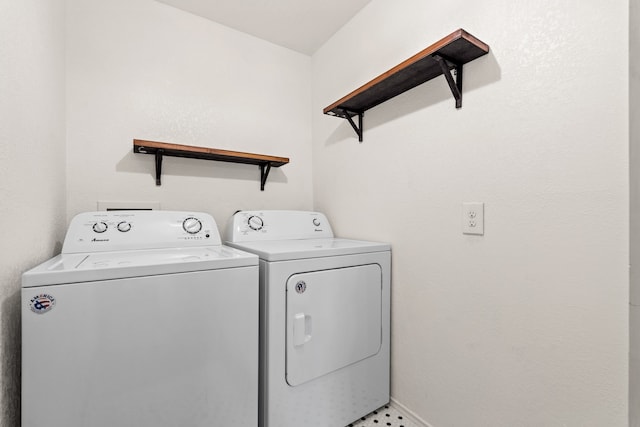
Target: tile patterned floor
(387, 416)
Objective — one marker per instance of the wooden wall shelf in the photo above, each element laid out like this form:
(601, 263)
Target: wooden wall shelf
(160, 149)
(450, 53)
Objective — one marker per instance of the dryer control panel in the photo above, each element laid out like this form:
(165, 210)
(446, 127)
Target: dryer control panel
(129, 230)
(249, 226)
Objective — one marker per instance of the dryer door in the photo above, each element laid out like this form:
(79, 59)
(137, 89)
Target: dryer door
(333, 320)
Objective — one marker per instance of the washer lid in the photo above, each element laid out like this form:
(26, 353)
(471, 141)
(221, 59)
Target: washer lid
(282, 250)
(74, 268)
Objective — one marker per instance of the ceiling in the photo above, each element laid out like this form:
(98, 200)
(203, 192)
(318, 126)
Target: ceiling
(301, 25)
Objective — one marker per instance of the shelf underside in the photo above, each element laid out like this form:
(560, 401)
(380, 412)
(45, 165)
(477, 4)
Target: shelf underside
(161, 149)
(177, 150)
(458, 48)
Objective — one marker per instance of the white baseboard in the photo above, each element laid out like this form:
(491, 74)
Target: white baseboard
(409, 413)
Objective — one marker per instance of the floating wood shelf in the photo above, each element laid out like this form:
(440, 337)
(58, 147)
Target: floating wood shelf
(450, 53)
(160, 149)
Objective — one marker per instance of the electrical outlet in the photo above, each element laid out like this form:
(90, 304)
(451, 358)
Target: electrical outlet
(473, 218)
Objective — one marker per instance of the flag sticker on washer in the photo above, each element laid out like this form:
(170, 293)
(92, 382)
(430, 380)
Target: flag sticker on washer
(42, 303)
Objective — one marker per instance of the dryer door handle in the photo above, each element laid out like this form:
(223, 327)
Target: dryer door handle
(301, 329)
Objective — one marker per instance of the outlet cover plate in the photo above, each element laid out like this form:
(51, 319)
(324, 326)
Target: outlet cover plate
(473, 218)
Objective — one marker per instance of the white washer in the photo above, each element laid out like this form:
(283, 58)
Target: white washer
(324, 319)
(145, 319)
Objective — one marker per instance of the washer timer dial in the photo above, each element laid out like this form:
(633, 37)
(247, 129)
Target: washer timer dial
(124, 226)
(192, 225)
(255, 223)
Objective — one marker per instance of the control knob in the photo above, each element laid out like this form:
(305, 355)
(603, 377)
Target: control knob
(100, 227)
(124, 226)
(316, 222)
(255, 223)
(192, 225)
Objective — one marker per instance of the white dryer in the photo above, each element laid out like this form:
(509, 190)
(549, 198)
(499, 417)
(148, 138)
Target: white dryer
(324, 319)
(145, 319)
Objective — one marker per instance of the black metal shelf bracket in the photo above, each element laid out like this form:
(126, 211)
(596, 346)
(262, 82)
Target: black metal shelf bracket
(455, 86)
(159, 154)
(161, 149)
(358, 129)
(265, 168)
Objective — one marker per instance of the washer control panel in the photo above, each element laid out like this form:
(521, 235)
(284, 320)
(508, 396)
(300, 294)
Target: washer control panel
(247, 226)
(124, 230)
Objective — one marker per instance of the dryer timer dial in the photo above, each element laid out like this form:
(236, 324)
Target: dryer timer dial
(192, 225)
(255, 223)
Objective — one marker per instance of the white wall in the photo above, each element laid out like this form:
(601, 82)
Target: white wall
(142, 69)
(634, 139)
(528, 325)
(32, 173)
(524, 326)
